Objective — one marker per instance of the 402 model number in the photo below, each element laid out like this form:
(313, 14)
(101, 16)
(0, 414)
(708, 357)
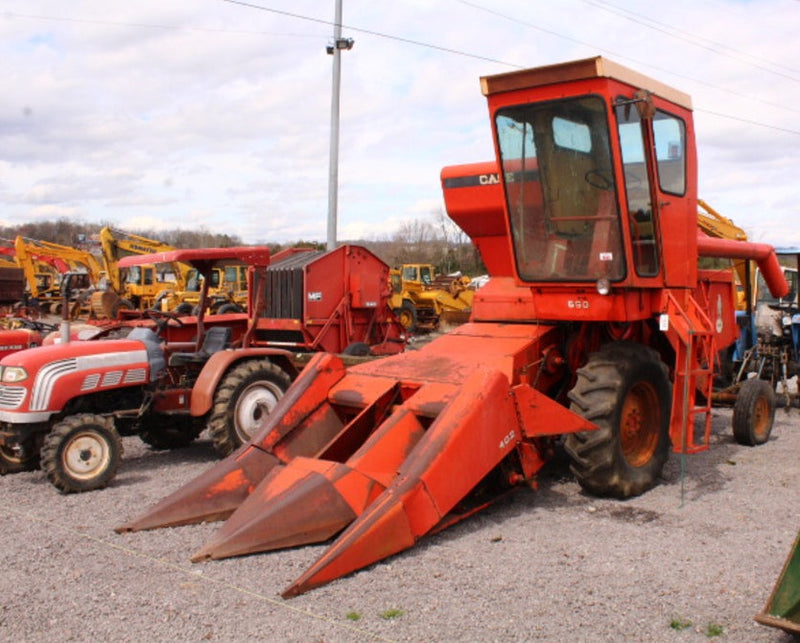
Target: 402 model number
(507, 439)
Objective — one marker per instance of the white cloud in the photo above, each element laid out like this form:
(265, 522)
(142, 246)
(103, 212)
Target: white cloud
(174, 113)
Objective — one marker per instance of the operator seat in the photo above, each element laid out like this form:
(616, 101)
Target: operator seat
(216, 339)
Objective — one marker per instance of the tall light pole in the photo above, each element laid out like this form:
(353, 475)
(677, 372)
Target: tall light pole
(335, 50)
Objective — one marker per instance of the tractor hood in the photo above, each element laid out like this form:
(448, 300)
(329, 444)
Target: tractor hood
(34, 358)
(38, 382)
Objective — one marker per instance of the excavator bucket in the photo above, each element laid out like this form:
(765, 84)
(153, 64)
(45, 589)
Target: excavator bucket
(783, 607)
(392, 450)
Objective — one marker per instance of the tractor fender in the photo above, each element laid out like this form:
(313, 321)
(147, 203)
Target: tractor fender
(219, 364)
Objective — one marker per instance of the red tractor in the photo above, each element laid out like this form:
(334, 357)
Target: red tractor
(19, 333)
(596, 330)
(164, 377)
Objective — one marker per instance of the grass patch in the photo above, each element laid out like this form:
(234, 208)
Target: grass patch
(391, 613)
(353, 616)
(680, 624)
(714, 629)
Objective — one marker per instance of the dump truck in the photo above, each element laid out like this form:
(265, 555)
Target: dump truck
(596, 329)
(421, 299)
(165, 377)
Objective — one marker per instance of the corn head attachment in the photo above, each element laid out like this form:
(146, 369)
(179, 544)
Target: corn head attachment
(381, 454)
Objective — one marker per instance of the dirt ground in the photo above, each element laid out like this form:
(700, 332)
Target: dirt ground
(694, 559)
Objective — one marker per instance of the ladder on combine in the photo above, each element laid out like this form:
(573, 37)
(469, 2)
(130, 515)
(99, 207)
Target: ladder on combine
(691, 335)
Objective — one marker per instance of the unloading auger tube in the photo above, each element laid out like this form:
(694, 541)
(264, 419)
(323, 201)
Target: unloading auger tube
(596, 326)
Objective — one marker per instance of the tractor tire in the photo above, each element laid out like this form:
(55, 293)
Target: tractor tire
(81, 453)
(753, 412)
(163, 432)
(12, 463)
(625, 390)
(121, 304)
(184, 308)
(357, 349)
(228, 308)
(407, 316)
(244, 398)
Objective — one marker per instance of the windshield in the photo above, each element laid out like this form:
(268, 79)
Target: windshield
(560, 190)
(765, 296)
(133, 275)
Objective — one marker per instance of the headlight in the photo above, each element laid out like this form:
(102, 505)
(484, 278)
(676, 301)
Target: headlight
(603, 286)
(13, 374)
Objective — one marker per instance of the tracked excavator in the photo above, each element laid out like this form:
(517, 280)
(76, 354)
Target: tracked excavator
(138, 287)
(78, 272)
(596, 328)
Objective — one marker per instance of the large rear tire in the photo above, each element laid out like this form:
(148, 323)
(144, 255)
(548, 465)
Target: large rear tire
(243, 400)
(753, 412)
(81, 453)
(625, 390)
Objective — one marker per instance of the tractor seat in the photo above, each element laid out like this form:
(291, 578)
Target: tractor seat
(216, 339)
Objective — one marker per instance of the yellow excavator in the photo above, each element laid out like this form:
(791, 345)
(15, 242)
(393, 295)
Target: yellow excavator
(227, 292)
(137, 288)
(79, 270)
(716, 225)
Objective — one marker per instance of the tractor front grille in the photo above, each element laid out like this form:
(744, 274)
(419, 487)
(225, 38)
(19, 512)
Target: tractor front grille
(11, 397)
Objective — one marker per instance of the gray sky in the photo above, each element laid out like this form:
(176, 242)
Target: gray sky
(186, 113)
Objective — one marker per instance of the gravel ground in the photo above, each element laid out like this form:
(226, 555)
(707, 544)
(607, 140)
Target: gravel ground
(704, 548)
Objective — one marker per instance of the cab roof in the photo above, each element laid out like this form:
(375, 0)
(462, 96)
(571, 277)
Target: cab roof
(597, 67)
(203, 258)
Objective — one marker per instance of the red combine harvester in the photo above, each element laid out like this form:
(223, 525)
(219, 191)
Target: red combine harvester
(596, 326)
(166, 377)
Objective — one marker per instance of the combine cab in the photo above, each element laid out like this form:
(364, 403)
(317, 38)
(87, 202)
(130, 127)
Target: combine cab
(596, 327)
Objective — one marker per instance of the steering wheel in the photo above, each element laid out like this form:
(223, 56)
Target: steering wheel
(162, 318)
(598, 180)
(32, 324)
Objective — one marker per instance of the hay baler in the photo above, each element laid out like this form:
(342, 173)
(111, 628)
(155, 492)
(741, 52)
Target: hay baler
(596, 328)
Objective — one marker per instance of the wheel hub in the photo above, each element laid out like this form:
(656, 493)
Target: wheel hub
(639, 423)
(254, 405)
(85, 454)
